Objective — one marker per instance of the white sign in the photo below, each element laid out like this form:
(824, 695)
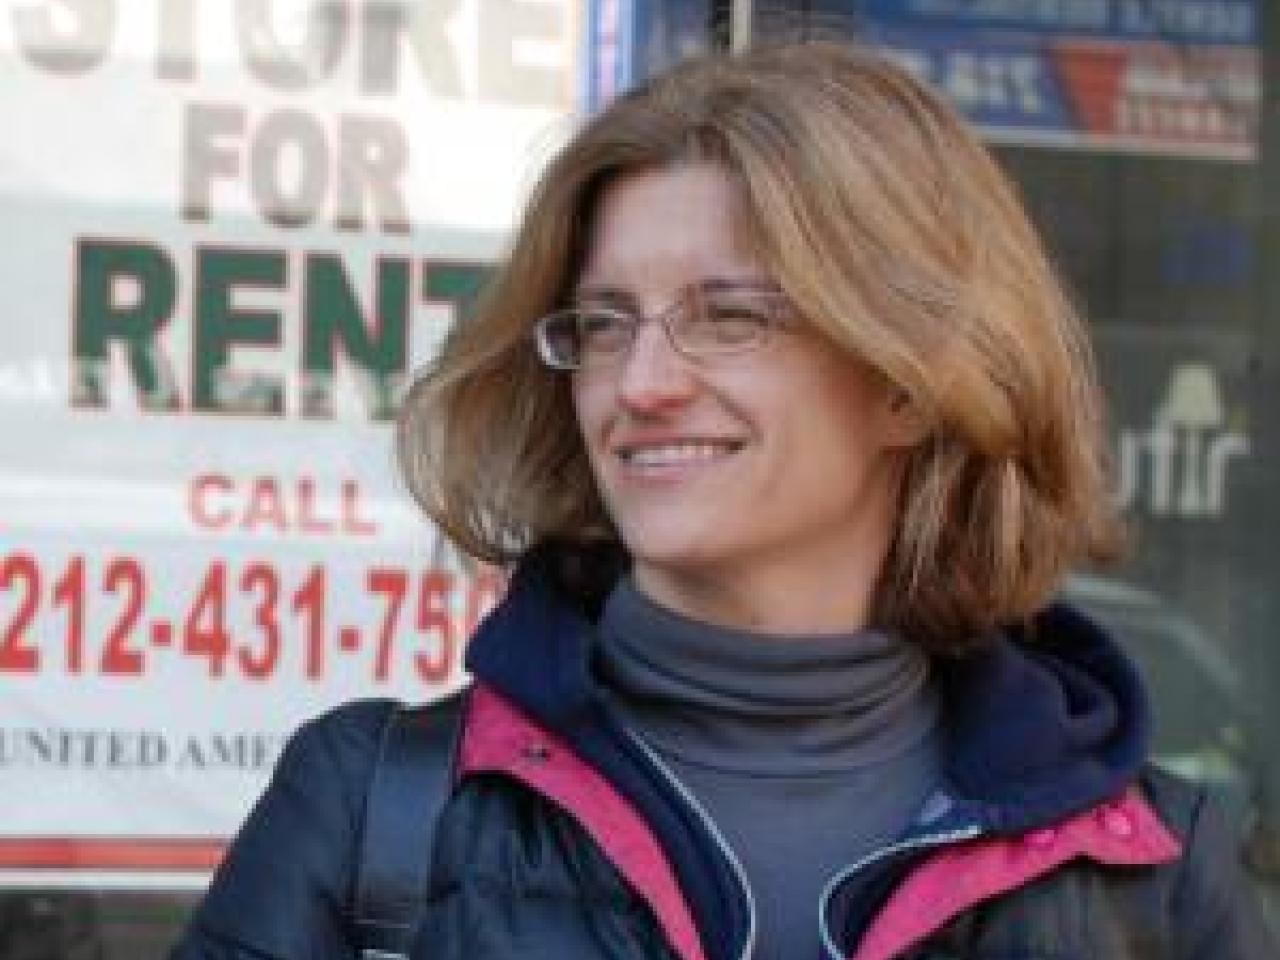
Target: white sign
(232, 231)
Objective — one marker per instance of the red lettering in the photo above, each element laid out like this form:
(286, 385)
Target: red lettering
(299, 505)
(202, 489)
(351, 522)
(265, 506)
(308, 522)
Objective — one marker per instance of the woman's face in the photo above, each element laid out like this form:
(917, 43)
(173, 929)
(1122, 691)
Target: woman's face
(744, 477)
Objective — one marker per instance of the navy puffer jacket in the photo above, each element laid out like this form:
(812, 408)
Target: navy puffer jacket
(563, 838)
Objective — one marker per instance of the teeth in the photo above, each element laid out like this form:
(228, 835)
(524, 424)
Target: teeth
(675, 453)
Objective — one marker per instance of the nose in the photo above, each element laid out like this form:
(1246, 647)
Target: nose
(654, 377)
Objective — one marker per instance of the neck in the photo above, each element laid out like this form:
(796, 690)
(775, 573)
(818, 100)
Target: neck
(833, 592)
(741, 700)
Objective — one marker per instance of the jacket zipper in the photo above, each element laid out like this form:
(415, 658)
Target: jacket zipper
(902, 846)
(749, 946)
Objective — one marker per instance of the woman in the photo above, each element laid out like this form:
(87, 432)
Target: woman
(790, 434)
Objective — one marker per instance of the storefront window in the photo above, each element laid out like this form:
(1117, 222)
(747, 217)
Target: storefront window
(234, 229)
(1135, 132)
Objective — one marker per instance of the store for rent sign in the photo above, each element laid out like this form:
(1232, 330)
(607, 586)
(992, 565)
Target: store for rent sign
(235, 230)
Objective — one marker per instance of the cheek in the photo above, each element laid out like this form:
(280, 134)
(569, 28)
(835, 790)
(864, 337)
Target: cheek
(580, 402)
(827, 430)
(589, 409)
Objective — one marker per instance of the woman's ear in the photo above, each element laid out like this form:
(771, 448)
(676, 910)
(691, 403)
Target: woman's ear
(904, 424)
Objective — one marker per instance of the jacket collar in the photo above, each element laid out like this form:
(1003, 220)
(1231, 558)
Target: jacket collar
(534, 651)
(498, 737)
(1125, 831)
(1042, 722)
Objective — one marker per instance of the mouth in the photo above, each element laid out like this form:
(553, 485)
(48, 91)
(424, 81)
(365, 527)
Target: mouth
(676, 453)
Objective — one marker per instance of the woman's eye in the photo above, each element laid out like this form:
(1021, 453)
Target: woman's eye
(603, 327)
(732, 322)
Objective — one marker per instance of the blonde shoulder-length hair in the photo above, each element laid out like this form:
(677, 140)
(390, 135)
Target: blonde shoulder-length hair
(897, 236)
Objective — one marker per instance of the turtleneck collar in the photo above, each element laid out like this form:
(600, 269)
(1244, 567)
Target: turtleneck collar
(762, 704)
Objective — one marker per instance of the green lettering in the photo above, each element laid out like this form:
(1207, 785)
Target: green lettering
(103, 315)
(334, 318)
(219, 325)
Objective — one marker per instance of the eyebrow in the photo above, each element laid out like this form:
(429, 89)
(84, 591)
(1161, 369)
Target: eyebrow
(618, 295)
(607, 294)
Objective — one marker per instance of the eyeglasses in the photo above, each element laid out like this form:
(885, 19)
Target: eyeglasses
(709, 319)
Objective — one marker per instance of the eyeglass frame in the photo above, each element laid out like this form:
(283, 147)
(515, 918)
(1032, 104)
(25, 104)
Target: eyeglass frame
(674, 317)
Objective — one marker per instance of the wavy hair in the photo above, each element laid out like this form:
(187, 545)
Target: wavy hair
(896, 235)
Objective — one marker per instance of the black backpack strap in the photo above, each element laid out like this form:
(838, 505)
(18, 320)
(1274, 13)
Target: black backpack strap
(411, 782)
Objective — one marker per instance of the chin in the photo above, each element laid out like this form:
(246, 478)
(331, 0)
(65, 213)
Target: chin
(672, 549)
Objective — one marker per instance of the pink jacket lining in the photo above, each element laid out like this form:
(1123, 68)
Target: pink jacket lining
(499, 738)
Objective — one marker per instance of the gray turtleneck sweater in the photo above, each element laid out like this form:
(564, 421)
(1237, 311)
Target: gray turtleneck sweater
(808, 752)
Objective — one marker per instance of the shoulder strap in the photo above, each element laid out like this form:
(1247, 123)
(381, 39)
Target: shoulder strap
(410, 784)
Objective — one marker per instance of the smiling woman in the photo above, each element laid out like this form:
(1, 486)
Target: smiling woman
(900, 251)
(716, 467)
(789, 434)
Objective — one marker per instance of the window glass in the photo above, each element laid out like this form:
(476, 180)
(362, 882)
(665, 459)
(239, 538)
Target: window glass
(1135, 133)
(231, 230)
